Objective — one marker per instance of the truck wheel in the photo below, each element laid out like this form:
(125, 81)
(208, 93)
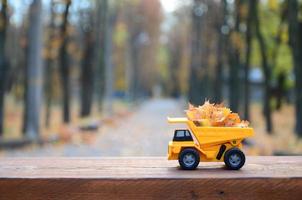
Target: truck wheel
(189, 159)
(234, 159)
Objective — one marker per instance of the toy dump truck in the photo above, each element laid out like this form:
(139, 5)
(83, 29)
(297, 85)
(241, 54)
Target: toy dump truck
(206, 143)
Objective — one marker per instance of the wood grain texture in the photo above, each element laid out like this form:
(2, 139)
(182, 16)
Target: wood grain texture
(148, 178)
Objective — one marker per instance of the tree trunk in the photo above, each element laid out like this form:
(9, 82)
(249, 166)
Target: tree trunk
(101, 37)
(266, 71)
(280, 90)
(3, 63)
(109, 68)
(196, 72)
(134, 51)
(49, 69)
(134, 54)
(175, 53)
(34, 72)
(87, 74)
(234, 81)
(248, 41)
(295, 32)
(48, 90)
(218, 85)
(129, 65)
(298, 83)
(64, 66)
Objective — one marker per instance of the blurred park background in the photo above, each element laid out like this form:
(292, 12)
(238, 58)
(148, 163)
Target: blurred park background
(99, 77)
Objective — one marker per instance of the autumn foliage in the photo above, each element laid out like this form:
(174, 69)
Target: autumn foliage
(210, 114)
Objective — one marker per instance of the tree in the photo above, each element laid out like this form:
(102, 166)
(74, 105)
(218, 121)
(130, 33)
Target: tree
(280, 90)
(295, 32)
(221, 45)
(135, 29)
(174, 66)
(177, 54)
(143, 20)
(99, 54)
(265, 67)
(234, 60)
(150, 12)
(3, 61)
(34, 73)
(248, 40)
(109, 23)
(49, 67)
(196, 69)
(64, 65)
(87, 68)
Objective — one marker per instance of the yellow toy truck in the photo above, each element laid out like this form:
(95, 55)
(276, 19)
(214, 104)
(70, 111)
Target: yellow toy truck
(209, 144)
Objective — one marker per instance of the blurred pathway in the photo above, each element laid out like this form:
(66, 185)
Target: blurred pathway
(145, 133)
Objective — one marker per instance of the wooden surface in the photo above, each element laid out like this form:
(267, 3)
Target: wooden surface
(148, 178)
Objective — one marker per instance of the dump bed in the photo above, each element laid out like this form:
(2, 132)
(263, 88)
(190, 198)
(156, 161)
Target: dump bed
(212, 135)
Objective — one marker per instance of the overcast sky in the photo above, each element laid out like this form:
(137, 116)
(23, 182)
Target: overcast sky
(169, 5)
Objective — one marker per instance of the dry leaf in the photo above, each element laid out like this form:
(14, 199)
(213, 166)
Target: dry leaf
(210, 114)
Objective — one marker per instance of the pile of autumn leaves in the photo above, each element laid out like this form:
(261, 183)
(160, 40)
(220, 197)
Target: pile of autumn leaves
(214, 115)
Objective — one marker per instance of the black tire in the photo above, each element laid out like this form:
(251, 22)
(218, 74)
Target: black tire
(185, 155)
(234, 159)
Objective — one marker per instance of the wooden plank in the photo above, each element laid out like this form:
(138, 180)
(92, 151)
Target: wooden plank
(139, 167)
(129, 178)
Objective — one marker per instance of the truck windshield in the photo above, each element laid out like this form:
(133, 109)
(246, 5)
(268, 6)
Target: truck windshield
(182, 135)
